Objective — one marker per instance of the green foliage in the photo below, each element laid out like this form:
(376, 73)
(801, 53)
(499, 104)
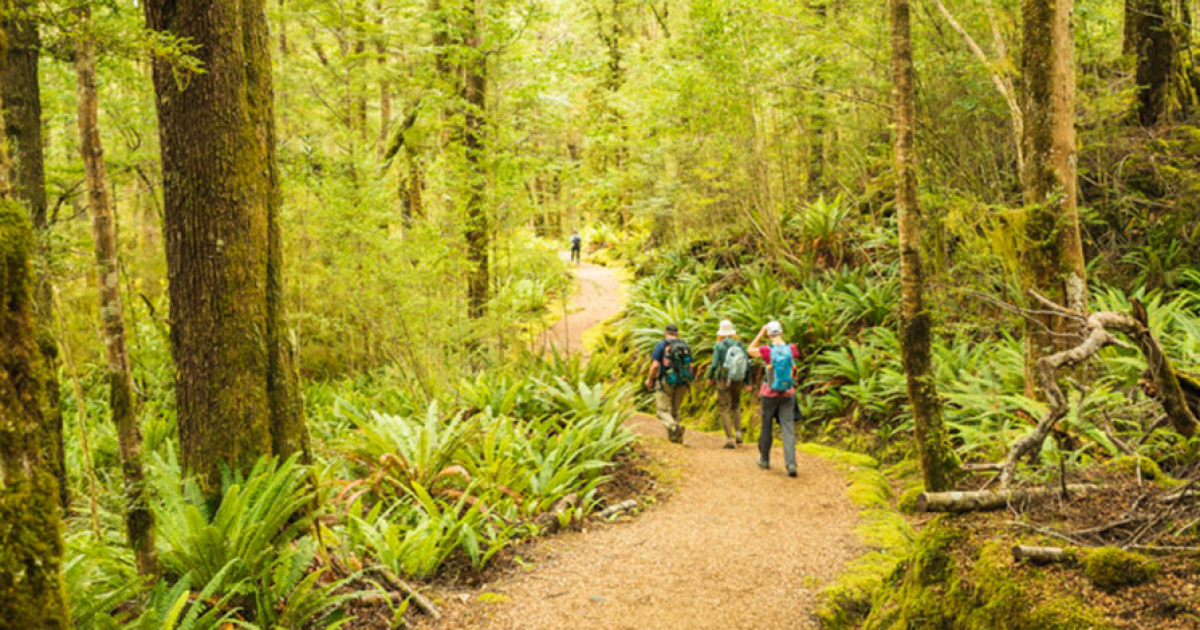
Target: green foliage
(242, 534)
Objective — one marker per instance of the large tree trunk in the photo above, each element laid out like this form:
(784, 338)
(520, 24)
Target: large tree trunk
(474, 95)
(235, 390)
(31, 587)
(938, 462)
(1158, 68)
(139, 520)
(23, 128)
(1053, 259)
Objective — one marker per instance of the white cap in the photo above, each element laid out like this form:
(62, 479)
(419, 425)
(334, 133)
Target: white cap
(726, 329)
(774, 329)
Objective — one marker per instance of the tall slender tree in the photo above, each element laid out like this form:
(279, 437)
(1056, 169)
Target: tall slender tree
(938, 462)
(1053, 254)
(22, 95)
(474, 97)
(31, 587)
(235, 387)
(139, 520)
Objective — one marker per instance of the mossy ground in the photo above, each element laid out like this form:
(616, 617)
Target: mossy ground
(958, 572)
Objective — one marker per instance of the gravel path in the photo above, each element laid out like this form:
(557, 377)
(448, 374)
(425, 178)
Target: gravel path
(733, 547)
(597, 299)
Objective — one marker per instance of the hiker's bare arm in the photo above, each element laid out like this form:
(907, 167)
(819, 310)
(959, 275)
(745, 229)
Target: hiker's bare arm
(754, 344)
(653, 373)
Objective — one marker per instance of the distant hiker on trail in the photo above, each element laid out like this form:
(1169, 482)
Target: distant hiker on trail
(576, 246)
(778, 394)
(729, 370)
(670, 375)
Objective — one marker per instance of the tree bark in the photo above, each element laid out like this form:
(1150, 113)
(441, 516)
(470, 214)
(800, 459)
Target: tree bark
(31, 587)
(235, 391)
(385, 85)
(1158, 68)
(23, 117)
(474, 96)
(1053, 255)
(139, 520)
(938, 461)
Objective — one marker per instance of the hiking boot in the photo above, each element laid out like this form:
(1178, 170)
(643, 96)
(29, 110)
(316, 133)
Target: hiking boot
(679, 433)
(730, 444)
(764, 464)
(738, 437)
(791, 471)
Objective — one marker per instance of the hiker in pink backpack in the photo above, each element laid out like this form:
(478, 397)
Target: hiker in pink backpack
(778, 394)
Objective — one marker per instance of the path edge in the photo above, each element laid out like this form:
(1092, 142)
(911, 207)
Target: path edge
(882, 530)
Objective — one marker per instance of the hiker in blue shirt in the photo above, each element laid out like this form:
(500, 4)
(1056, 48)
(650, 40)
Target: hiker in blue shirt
(670, 376)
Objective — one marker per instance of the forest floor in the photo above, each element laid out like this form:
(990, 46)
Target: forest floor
(732, 547)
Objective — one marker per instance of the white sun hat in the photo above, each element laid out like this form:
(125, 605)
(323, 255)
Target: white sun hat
(726, 329)
(774, 329)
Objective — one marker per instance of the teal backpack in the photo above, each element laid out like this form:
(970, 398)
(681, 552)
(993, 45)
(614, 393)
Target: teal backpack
(677, 362)
(781, 368)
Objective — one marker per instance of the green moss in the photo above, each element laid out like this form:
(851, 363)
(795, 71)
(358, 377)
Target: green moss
(1110, 568)
(868, 487)
(908, 500)
(848, 600)
(493, 598)
(948, 581)
(1128, 465)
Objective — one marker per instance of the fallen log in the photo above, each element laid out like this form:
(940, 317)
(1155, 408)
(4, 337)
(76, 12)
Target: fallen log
(1041, 555)
(420, 601)
(1178, 496)
(984, 500)
(613, 510)
(550, 521)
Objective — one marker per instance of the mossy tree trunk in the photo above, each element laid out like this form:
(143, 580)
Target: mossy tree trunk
(235, 389)
(139, 520)
(1159, 31)
(474, 97)
(31, 587)
(23, 128)
(938, 461)
(1052, 257)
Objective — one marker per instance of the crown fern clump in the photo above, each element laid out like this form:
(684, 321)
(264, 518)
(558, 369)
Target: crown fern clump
(255, 515)
(434, 489)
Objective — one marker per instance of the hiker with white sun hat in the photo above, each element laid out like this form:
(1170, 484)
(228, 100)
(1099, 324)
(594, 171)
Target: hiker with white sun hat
(728, 373)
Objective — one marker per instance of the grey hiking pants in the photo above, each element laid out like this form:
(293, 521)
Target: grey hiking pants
(667, 402)
(729, 408)
(783, 408)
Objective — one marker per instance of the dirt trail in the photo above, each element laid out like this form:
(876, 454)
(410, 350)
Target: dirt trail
(733, 547)
(597, 299)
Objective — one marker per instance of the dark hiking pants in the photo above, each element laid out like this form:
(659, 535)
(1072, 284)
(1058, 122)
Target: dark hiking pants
(784, 409)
